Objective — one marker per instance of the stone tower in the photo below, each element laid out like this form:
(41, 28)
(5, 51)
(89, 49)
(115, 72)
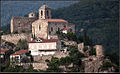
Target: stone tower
(32, 15)
(99, 50)
(44, 12)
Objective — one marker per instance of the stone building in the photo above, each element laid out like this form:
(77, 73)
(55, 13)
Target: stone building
(42, 26)
(18, 56)
(45, 27)
(22, 24)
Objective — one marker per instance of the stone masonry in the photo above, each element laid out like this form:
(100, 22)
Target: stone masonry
(14, 38)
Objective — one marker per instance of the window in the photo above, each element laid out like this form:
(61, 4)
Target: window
(42, 47)
(58, 29)
(52, 46)
(47, 46)
(64, 26)
(47, 13)
(41, 13)
(39, 27)
(32, 47)
(51, 28)
(70, 30)
(49, 32)
(31, 14)
(19, 25)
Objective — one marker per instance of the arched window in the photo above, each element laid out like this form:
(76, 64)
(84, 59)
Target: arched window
(39, 27)
(31, 14)
(41, 13)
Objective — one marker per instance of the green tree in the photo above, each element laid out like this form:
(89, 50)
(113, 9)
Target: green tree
(106, 65)
(65, 61)
(53, 65)
(22, 44)
(76, 56)
(71, 36)
(93, 51)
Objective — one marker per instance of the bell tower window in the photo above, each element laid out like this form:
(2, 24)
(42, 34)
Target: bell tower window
(47, 13)
(39, 27)
(41, 13)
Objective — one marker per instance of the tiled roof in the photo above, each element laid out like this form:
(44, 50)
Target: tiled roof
(3, 50)
(44, 40)
(20, 52)
(55, 20)
(67, 28)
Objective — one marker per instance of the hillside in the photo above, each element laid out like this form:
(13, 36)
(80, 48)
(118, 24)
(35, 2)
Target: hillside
(98, 18)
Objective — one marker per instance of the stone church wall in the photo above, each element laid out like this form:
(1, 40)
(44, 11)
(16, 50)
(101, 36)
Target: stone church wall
(40, 29)
(55, 26)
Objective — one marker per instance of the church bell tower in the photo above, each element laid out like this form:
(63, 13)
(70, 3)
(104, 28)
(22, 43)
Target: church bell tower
(44, 12)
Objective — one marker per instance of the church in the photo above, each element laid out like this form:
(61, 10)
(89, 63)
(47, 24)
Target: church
(42, 26)
(46, 27)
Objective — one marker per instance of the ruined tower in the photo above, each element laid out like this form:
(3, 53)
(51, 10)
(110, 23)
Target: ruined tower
(44, 12)
(99, 50)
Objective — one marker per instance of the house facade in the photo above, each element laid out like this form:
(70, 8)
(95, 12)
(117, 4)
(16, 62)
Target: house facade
(44, 46)
(18, 56)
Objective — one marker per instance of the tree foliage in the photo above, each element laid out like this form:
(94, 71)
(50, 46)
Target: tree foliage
(22, 44)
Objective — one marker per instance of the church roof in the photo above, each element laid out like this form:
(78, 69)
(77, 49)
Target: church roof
(44, 6)
(55, 20)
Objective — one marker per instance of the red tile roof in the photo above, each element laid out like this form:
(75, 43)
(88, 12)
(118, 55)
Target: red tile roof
(44, 40)
(55, 20)
(67, 28)
(3, 50)
(19, 52)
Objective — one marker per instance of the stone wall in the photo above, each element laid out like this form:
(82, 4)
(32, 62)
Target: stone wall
(40, 66)
(92, 64)
(61, 54)
(81, 47)
(14, 38)
(53, 27)
(71, 43)
(19, 24)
